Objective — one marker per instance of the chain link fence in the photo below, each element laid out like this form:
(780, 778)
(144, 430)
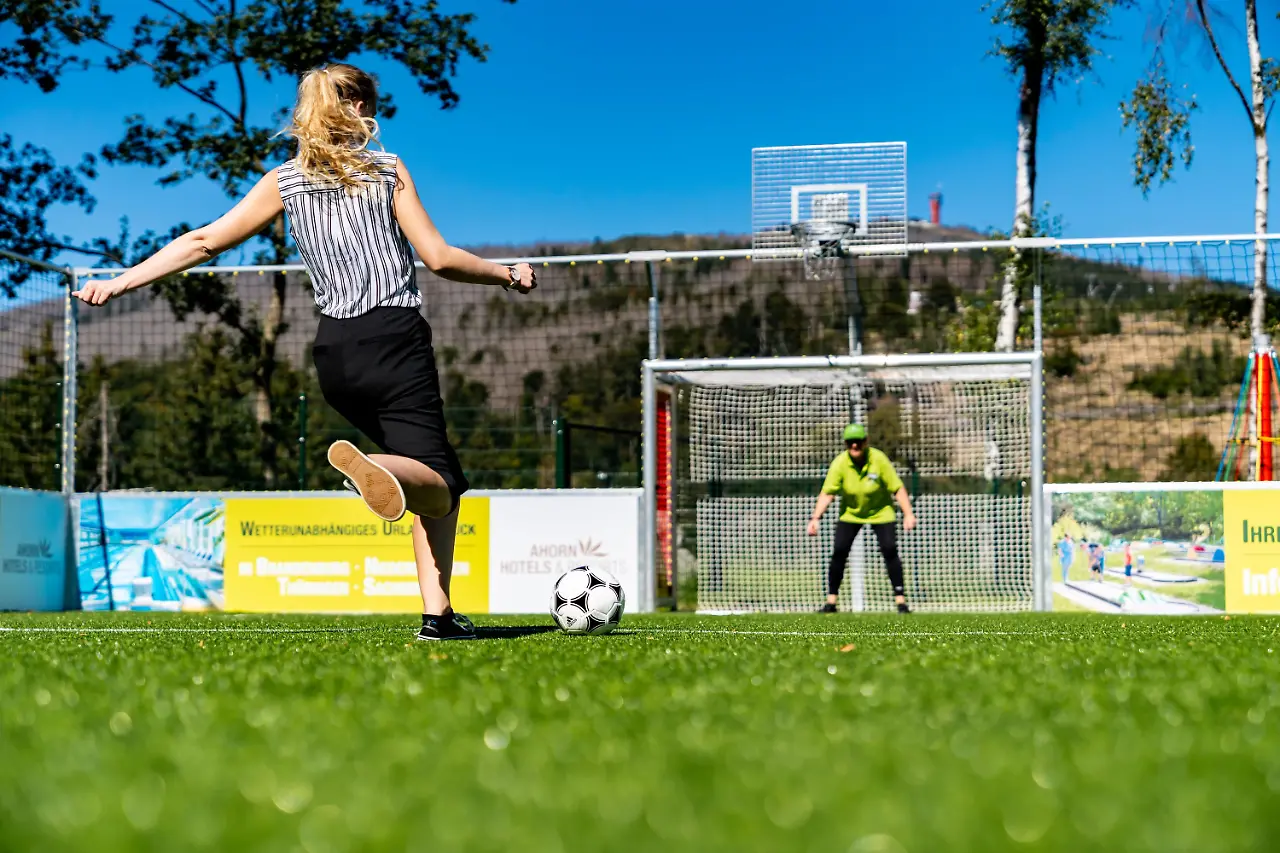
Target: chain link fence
(36, 340)
(205, 380)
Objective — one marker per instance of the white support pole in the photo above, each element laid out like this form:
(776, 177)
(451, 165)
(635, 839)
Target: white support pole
(1041, 595)
(648, 545)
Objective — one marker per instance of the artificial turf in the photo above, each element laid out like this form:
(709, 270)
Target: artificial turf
(844, 733)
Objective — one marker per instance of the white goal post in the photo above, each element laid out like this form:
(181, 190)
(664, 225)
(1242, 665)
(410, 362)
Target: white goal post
(758, 434)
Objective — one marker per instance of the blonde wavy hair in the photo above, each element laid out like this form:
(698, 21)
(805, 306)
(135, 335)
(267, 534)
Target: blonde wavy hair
(334, 135)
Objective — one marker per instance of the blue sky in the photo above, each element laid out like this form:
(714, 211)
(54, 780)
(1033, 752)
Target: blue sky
(604, 119)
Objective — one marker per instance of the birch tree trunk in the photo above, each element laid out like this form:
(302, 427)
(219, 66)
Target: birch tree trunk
(1262, 164)
(1024, 202)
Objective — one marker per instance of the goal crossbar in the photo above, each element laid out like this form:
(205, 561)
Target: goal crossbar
(805, 370)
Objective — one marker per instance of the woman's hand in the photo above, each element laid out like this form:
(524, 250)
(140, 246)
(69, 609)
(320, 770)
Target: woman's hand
(100, 291)
(528, 279)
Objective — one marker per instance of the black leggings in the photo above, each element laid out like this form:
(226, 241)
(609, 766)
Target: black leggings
(886, 536)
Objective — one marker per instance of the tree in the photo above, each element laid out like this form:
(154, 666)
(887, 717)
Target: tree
(1162, 119)
(30, 415)
(31, 182)
(212, 53)
(1045, 44)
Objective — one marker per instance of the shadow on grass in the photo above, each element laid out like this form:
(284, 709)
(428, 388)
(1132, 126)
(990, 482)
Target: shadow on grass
(511, 632)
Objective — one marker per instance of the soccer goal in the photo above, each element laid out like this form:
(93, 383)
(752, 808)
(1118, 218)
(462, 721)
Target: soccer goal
(964, 431)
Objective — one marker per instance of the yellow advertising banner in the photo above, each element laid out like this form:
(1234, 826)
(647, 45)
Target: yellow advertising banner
(1252, 525)
(331, 555)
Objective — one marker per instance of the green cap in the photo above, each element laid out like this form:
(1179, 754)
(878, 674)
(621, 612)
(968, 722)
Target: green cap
(854, 431)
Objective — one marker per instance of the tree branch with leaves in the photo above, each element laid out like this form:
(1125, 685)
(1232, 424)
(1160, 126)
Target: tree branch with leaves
(211, 53)
(1161, 119)
(1044, 44)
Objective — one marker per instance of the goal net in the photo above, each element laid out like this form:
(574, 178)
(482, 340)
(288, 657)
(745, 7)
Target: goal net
(758, 436)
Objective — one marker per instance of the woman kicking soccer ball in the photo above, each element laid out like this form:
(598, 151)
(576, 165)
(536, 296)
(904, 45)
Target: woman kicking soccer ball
(354, 214)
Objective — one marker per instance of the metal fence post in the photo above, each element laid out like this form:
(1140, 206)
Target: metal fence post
(302, 442)
(70, 364)
(564, 460)
(655, 312)
(1037, 298)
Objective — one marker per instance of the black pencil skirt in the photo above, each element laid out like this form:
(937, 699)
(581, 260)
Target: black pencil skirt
(379, 372)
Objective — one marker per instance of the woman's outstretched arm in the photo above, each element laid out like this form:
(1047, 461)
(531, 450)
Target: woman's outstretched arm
(246, 219)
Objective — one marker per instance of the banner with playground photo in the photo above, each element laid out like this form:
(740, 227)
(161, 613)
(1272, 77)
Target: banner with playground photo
(1165, 548)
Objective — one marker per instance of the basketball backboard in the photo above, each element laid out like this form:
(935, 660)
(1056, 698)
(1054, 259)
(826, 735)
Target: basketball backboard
(849, 195)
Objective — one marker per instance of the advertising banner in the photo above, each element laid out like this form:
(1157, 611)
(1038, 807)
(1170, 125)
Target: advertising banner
(543, 538)
(150, 552)
(1167, 548)
(331, 555)
(323, 552)
(1251, 522)
(33, 550)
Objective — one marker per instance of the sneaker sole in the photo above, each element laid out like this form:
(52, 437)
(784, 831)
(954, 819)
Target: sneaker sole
(380, 491)
(442, 639)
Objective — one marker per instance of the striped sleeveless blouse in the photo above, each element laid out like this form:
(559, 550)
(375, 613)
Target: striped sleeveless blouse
(352, 245)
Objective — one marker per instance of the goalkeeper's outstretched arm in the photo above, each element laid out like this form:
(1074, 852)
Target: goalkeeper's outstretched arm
(904, 502)
(824, 501)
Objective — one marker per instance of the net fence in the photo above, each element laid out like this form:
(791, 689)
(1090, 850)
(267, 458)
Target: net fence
(1144, 341)
(206, 381)
(759, 445)
(970, 553)
(32, 355)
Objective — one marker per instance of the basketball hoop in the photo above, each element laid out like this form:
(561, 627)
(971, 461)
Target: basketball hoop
(822, 246)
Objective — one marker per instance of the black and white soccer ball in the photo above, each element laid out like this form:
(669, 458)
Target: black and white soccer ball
(587, 601)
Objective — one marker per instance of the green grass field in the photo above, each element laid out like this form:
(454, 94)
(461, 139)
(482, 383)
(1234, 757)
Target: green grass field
(846, 733)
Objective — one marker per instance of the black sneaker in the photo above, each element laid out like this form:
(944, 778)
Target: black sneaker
(452, 627)
(903, 608)
(827, 608)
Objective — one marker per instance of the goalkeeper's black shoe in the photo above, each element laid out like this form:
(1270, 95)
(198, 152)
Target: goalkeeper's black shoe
(827, 608)
(903, 608)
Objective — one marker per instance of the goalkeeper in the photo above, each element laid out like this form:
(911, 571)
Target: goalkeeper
(866, 482)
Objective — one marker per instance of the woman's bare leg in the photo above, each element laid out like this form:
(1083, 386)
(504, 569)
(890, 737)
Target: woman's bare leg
(433, 540)
(425, 492)
(392, 485)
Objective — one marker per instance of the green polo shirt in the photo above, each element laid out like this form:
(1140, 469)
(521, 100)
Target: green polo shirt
(866, 492)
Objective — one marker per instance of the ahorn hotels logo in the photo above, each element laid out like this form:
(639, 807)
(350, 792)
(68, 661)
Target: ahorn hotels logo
(582, 548)
(545, 558)
(31, 558)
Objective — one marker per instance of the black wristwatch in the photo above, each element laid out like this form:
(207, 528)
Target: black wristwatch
(513, 276)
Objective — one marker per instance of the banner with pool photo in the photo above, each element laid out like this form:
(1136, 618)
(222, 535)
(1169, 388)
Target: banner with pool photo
(1165, 548)
(150, 552)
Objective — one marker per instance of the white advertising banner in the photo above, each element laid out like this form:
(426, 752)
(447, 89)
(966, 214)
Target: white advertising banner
(537, 536)
(33, 550)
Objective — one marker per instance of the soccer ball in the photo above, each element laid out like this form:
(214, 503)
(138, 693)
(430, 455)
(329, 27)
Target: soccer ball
(587, 601)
